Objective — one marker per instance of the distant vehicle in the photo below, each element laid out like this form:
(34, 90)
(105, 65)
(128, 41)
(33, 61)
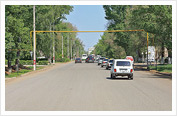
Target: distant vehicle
(78, 60)
(97, 57)
(109, 64)
(100, 60)
(93, 55)
(89, 59)
(84, 56)
(104, 62)
(122, 67)
(130, 58)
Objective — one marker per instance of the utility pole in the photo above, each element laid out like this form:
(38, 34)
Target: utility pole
(147, 52)
(53, 46)
(71, 49)
(50, 60)
(34, 40)
(62, 45)
(68, 45)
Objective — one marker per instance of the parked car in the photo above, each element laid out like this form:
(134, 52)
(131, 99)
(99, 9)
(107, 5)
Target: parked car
(104, 62)
(100, 60)
(89, 59)
(78, 60)
(97, 57)
(109, 64)
(122, 67)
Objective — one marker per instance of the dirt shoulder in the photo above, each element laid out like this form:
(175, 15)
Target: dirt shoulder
(143, 67)
(32, 73)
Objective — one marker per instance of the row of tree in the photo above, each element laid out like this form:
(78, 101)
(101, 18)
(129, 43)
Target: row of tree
(154, 19)
(19, 23)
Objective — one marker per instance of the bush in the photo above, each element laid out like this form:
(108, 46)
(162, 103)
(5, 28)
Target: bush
(43, 62)
(26, 62)
(6, 62)
(12, 62)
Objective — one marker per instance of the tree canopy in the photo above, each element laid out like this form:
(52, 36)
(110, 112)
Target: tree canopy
(154, 19)
(19, 23)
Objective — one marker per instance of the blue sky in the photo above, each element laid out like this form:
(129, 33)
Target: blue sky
(88, 18)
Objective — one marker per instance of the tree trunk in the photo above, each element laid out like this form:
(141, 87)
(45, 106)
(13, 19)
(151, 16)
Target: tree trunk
(17, 61)
(9, 66)
(162, 54)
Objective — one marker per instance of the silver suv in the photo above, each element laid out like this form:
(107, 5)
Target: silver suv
(122, 67)
(100, 60)
(109, 64)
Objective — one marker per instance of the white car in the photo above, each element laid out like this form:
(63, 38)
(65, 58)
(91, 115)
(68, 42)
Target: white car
(100, 60)
(122, 67)
(84, 56)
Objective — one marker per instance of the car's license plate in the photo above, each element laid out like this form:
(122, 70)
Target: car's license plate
(123, 71)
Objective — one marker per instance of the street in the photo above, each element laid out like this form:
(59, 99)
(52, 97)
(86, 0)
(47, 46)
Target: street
(87, 87)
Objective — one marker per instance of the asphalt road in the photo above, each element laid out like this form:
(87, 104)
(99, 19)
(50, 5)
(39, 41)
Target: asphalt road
(87, 87)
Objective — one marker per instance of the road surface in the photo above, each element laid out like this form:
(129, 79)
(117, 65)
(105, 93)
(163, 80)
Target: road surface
(87, 87)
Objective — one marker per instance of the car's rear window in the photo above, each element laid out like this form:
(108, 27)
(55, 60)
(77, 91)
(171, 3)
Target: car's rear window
(105, 59)
(110, 60)
(101, 58)
(90, 57)
(84, 55)
(77, 58)
(123, 63)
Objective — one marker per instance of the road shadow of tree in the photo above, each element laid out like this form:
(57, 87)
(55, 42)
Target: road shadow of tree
(158, 75)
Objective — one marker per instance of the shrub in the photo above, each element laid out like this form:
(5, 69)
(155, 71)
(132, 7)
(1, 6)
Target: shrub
(43, 62)
(26, 62)
(6, 62)
(12, 62)
(63, 60)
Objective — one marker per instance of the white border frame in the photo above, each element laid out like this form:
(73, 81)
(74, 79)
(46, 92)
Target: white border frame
(2, 61)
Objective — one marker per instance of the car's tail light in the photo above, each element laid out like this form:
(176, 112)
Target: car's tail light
(103, 62)
(131, 70)
(115, 70)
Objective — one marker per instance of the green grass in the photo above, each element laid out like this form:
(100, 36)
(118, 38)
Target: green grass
(162, 68)
(22, 71)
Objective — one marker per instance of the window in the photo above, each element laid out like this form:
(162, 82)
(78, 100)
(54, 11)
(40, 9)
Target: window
(110, 60)
(123, 63)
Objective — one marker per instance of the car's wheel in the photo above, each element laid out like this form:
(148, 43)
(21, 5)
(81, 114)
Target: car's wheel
(107, 68)
(130, 77)
(112, 77)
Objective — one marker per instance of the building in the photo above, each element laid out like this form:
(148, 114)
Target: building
(90, 50)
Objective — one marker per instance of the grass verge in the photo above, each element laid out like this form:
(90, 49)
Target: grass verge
(162, 68)
(22, 71)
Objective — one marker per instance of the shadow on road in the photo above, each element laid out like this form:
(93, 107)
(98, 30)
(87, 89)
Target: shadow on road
(164, 76)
